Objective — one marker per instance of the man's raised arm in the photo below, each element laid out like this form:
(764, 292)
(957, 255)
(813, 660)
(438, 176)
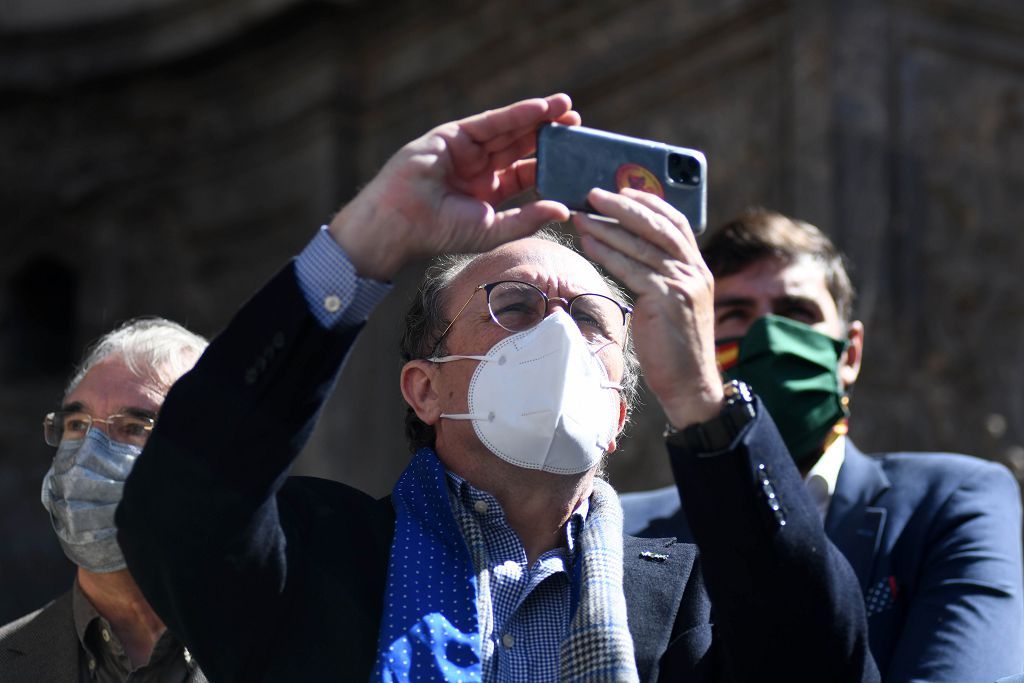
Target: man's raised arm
(781, 593)
(199, 521)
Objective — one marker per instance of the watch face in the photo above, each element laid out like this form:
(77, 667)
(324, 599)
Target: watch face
(718, 433)
(736, 390)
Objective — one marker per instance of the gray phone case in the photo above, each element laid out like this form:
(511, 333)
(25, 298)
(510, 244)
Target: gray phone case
(573, 159)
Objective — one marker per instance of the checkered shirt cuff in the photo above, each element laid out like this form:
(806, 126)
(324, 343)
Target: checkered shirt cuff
(335, 294)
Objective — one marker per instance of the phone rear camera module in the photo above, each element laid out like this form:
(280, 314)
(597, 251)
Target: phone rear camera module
(683, 169)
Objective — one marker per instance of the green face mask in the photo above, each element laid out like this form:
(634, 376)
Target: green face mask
(795, 371)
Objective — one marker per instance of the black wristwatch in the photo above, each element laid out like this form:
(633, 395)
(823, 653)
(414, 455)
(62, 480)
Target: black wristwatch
(718, 433)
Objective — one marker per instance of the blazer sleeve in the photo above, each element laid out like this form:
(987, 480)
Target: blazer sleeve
(785, 602)
(965, 621)
(198, 522)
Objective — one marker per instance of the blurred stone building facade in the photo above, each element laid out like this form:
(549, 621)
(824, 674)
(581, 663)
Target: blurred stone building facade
(166, 156)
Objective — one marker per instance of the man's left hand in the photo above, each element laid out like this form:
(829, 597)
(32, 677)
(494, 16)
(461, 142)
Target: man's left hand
(653, 252)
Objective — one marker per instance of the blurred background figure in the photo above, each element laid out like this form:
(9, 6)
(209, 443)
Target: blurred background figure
(103, 629)
(934, 538)
(139, 138)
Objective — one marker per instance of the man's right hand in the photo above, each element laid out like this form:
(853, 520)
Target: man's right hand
(438, 193)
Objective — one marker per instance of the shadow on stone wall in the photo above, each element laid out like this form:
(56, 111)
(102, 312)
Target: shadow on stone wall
(167, 159)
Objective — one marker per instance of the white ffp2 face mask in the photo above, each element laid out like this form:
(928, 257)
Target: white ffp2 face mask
(541, 399)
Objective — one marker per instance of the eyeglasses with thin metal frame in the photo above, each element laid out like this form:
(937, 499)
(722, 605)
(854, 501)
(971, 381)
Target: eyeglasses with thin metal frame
(518, 306)
(62, 425)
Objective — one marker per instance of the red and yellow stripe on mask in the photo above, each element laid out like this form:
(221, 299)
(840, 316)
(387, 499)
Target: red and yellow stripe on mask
(727, 355)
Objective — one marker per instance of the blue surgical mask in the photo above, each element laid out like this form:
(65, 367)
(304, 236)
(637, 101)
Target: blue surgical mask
(81, 491)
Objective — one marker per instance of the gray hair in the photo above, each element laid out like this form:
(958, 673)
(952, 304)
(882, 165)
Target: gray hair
(153, 348)
(425, 322)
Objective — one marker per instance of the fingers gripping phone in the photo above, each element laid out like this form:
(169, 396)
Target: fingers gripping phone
(571, 160)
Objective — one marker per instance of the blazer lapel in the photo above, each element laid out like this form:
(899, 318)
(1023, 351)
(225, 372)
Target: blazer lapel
(854, 523)
(656, 573)
(32, 651)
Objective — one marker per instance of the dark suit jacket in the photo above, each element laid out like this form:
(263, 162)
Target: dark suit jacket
(267, 578)
(41, 646)
(935, 540)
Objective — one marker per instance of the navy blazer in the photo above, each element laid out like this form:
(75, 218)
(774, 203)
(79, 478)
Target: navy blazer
(270, 578)
(935, 540)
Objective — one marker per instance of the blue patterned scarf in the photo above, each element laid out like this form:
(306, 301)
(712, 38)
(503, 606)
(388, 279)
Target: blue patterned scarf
(429, 630)
(435, 607)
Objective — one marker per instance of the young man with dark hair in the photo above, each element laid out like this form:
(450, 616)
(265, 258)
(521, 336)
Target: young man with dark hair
(935, 538)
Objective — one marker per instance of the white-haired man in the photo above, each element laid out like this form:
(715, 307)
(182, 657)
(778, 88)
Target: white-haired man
(103, 629)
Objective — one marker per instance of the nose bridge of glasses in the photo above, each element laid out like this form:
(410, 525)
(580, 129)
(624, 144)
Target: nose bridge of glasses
(104, 425)
(556, 302)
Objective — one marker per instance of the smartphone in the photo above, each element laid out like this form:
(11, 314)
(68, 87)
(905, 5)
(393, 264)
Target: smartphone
(571, 160)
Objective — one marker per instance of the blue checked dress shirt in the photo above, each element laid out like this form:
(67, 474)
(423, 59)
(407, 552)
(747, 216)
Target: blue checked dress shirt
(328, 280)
(531, 604)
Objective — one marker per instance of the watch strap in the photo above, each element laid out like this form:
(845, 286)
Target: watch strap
(718, 433)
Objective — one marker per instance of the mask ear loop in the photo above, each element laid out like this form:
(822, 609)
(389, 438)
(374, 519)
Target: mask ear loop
(448, 359)
(606, 384)
(463, 416)
(489, 417)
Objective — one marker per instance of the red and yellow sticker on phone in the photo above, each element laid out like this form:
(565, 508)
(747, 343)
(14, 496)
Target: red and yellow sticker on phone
(639, 178)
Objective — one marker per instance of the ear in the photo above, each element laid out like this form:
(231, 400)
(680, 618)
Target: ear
(622, 423)
(417, 383)
(849, 362)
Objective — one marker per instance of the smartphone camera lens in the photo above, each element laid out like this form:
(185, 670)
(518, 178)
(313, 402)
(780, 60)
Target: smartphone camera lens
(683, 169)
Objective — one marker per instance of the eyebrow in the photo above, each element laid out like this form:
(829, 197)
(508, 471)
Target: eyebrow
(734, 301)
(749, 301)
(78, 406)
(796, 299)
(139, 412)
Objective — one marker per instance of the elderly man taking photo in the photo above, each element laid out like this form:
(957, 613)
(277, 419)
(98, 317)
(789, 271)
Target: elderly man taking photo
(499, 555)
